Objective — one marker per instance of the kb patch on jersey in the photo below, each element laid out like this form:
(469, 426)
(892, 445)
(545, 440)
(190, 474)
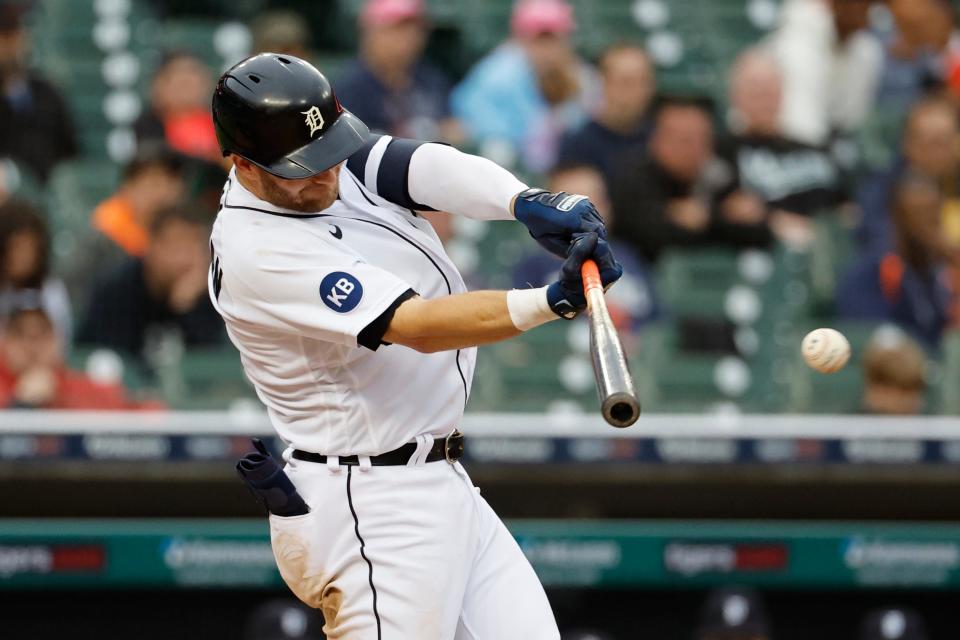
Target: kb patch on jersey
(341, 291)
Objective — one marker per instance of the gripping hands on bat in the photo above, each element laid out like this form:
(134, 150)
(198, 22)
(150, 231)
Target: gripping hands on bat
(567, 296)
(569, 226)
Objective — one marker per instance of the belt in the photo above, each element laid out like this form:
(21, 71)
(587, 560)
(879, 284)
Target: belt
(449, 448)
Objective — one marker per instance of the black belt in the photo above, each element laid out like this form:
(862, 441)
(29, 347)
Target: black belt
(449, 448)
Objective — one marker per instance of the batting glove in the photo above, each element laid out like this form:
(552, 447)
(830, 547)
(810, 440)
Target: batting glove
(553, 218)
(566, 297)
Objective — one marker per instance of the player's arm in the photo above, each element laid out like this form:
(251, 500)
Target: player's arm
(482, 317)
(430, 176)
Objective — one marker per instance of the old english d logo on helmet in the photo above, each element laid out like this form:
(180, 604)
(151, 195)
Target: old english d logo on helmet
(314, 119)
(258, 112)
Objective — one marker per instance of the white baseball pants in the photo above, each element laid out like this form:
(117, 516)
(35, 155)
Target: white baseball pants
(407, 553)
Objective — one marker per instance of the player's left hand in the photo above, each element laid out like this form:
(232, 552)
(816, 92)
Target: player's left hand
(567, 297)
(553, 218)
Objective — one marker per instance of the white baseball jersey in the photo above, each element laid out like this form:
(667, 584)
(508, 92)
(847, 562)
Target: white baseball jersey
(307, 297)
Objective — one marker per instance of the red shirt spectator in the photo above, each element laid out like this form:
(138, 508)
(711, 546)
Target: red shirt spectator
(34, 376)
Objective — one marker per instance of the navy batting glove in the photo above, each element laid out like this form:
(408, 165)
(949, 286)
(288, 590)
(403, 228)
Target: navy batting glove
(610, 269)
(566, 297)
(553, 218)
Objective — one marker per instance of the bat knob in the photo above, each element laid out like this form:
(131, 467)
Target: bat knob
(621, 410)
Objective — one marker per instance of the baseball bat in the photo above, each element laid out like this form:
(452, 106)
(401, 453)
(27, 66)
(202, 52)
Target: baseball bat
(618, 399)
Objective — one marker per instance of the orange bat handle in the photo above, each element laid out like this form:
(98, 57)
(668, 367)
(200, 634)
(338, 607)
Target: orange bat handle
(591, 276)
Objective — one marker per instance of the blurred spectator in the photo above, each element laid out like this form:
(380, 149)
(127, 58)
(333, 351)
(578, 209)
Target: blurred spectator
(390, 87)
(794, 179)
(733, 613)
(931, 147)
(680, 193)
(914, 51)
(522, 97)
(633, 301)
(283, 619)
(165, 289)
(25, 255)
(909, 284)
(894, 374)
(281, 31)
(893, 623)
(33, 374)
(35, 124)
(620, 123)
(831, 66)
(179, 113)
(152, 181)
(461, 249)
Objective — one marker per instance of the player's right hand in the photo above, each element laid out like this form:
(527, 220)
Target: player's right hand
(554, 219)
(566, 296)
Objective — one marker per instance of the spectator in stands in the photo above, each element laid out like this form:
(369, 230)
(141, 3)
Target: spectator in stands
(281, 31)
(894, 374)
(634, 302)
(461, 248)
(908, 284)
(680, 193)
(522, 97)
(733, 613)
(390, 86)
(831, 66)
(794, 179)
(33, 374)
(35, 124)
(914, 52)
(152, 181)
(931, 147)
(164, 290)
(179, 113)
(25, 264)
(620, 123)
(893, 623)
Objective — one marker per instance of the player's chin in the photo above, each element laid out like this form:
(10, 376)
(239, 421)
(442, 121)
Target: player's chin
(312, 200)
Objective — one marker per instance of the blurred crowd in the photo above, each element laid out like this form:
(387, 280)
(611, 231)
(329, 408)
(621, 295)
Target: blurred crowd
(668, 169)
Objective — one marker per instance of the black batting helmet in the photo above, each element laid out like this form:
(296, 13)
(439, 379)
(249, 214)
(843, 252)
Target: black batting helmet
(281, 114)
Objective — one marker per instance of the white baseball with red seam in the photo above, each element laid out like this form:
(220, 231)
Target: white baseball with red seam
(825, 350)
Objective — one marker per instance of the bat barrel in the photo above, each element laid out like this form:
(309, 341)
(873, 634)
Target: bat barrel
(618, 400)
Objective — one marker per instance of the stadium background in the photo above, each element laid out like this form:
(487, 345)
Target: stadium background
(746, 469)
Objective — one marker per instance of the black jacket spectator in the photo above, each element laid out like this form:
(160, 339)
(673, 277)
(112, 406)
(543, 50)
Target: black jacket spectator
(35, 125)
(787, 175)
(646, 198)
(166, 289)
(680, 193)
(121, 314)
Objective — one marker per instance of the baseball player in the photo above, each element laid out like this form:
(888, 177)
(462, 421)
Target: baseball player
(359, 335)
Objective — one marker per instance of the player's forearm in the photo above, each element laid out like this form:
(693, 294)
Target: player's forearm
(467, 185)
(452, 322)
(466, 320)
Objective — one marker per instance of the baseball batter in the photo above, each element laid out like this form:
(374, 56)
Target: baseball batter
(359, 335)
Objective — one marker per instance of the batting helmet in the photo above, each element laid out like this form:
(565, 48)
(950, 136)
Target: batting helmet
(281, 114)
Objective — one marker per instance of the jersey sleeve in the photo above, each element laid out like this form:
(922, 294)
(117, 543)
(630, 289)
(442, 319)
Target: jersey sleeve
(429, 176)
(383, 165)
(325, 296)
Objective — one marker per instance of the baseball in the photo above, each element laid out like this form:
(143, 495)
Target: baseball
(825, 350)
